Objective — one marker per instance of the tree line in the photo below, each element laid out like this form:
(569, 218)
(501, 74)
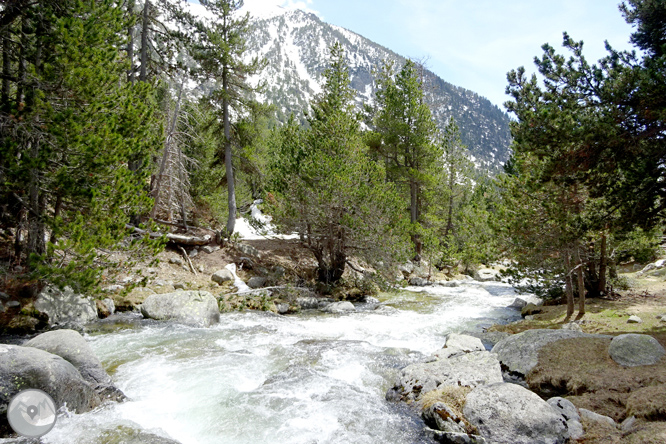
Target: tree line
(585, 188)
(117, 114)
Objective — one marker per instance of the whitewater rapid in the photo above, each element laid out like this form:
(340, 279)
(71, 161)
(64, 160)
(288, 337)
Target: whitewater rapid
(264, 378)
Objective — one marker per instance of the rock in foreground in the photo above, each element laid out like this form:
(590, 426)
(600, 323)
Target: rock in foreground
(507, 413)
(469, 369)
(73, 348)
(29, 367)
(519, 353)
(70, 345)
(193, 308)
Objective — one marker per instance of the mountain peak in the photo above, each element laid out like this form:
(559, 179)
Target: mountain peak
(295, 44)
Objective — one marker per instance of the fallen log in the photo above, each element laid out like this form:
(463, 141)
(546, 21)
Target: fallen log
(176, 238)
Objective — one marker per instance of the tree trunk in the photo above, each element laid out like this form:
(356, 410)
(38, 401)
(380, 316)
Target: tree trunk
(330, 273)
(20, 84)
(414, 218)
(231, 188)
(5, 67)
(143, 76)
(165, 155)
(581, 280)
(36, 229)
(603, 261)
(130, 44)
(568, 280)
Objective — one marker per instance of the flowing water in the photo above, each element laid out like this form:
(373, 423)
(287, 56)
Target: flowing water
(263, 378)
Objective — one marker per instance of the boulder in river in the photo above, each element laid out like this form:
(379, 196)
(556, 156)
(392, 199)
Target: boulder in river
(507, 413)
(469, 369)
(631, 350)
(72, 347)
(518, 303)
(339, 307)
(194, 308)
(418, 281)
(486, 275)
(29, 367)
(66, 308)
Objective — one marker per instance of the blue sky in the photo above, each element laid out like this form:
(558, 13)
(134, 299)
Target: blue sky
(474, 43)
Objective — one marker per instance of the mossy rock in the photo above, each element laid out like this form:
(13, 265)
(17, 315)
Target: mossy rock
(531, 309)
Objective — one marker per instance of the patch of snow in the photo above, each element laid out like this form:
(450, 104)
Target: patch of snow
(247, 231)
(238, 282)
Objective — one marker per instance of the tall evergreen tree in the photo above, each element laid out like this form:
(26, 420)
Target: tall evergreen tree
(326, 188)
(407, 146)
(220, 52)
(69, 126)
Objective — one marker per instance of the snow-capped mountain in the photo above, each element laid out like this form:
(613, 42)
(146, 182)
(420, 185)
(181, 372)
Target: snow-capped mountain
(296, 43)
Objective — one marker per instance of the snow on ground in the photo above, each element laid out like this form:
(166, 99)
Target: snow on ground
(246, 231)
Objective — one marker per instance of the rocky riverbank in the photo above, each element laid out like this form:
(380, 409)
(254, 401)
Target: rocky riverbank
(595, 380)
(598, 379)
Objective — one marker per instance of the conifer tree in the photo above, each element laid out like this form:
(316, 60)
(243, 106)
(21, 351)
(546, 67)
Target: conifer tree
(408, 146)
(220, 52)
(326, 188)
(69, 127)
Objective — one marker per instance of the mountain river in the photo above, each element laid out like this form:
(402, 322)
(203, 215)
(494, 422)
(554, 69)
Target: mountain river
(310, 378)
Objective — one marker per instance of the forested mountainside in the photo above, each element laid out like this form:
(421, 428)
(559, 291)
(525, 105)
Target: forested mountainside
(296, 44)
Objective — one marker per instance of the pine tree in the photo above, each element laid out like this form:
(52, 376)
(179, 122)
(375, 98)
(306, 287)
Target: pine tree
(325, 187)
(408, 146)
(69, 128)
(220, 51)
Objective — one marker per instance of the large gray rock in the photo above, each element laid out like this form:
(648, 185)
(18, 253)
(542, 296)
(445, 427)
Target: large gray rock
(194, 308)
(456, 344)
(471, 369)
(66, 308)
(312, 302)
(256, 282)
(418, 282)
(486, 274)
(222, 276)
(510, 414)
(29, 367)
(339, 307)
(518, 304)
(569, 413)
(519, 353)
(631, 350)
(70, 345)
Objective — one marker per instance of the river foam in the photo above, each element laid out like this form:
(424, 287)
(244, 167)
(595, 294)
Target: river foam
(263, 378)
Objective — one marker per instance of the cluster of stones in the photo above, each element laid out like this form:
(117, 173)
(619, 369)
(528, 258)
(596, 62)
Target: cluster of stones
(498, 408)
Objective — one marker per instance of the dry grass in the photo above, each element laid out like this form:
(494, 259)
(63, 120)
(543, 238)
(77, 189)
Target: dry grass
(648, 403)
(454, 397)
(642, 433)
(582, 370)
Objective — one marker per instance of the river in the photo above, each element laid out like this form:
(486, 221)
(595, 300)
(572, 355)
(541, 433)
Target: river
(264, 378)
